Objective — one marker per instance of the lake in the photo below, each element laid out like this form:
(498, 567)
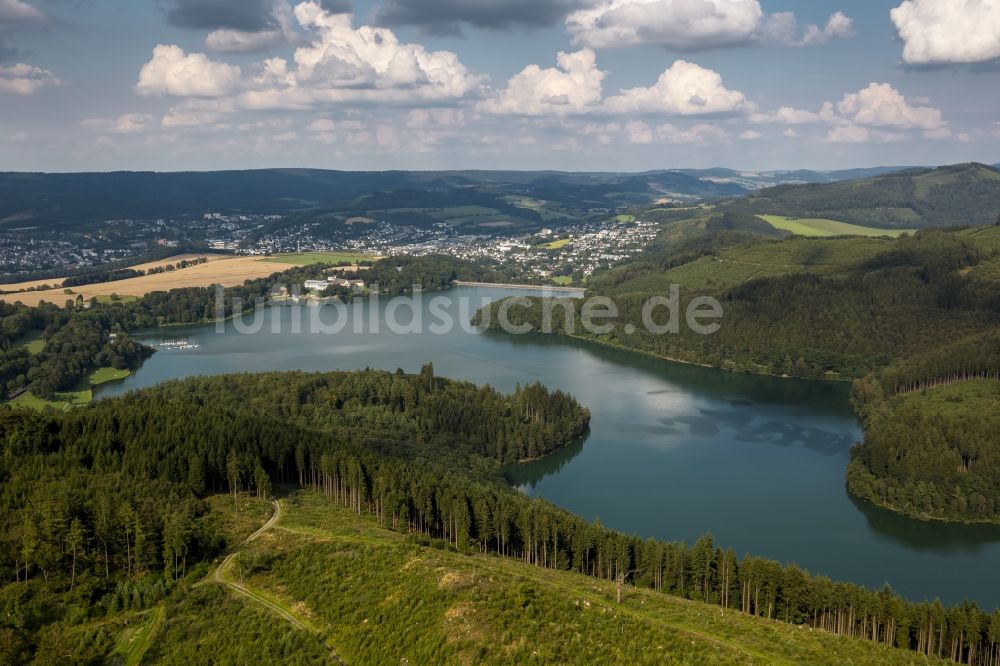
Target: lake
(674, 451)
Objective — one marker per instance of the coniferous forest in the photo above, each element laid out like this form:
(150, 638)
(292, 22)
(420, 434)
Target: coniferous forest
(910, 320)
(104, 507)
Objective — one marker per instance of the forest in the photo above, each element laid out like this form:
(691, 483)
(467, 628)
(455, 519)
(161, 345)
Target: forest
(931, 424)
(949, 196)
(104, 507)
(84, 336)
(902, 317)
(854, 307)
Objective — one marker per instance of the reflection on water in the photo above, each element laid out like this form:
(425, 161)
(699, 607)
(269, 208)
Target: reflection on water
(934, 537)
(674, 450)
(524, 476)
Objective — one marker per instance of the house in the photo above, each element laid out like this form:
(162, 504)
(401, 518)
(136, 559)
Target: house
(316, 285)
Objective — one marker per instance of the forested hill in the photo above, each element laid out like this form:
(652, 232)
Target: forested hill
(949, 196)
(108, 517)
(75, 200)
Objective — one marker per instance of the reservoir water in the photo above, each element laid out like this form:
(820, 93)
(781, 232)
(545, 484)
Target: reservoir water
(674, 451)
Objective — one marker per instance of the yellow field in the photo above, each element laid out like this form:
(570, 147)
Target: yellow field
(57, 282)
(227, 271)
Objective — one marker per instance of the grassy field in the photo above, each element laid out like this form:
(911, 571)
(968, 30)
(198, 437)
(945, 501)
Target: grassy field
(83, 394)
(321, 585)
(104, 375)
(555, 245)
(736, 265)
(378, 596)
(822, 227)
(32, 342)
(563, 280)
(624, 219)
(959, 400)
(307, 258)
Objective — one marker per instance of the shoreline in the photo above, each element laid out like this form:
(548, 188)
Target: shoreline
(533, 287)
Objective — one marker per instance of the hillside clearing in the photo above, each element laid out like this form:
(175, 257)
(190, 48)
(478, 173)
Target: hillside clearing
(823, 227)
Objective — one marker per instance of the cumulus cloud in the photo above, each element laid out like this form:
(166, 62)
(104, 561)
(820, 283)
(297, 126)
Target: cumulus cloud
(784, 28)
(339, 64)
(129, 123)
(242, 15)
(446, 17)
(17, 10)
(16, 13)
(22, 79)
(855, 134)
(572, 87)
(683, 89)
(691, 25)
(786, 115)
(751, 135)
(881, 105)
(174, 72)
(678, 24)
(938, 32)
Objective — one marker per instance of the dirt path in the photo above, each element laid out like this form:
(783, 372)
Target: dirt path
(221, 576)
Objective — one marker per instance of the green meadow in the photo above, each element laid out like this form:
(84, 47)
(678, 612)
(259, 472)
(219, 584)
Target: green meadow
(824, 227)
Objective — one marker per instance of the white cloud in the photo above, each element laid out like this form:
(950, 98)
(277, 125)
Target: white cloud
(881, 105)
(640, 133)
(790, 133)
(691, 25)
(340, 64)
(786, 115)
(751, 135)
(848, 134)
(16, 10)
(22, 79)
(683, 89)
(700, 133)
(129, 123)
(948, 31)
(230, 40)
(678, 24)
(348, 59)
(856, 134)
(571, 88)
(173, 72)
(784, 28)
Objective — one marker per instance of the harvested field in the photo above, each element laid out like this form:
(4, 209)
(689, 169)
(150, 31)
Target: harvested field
(57, 282)
(227, 271)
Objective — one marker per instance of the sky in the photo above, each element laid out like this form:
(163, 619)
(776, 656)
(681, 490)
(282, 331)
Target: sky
(580, 85)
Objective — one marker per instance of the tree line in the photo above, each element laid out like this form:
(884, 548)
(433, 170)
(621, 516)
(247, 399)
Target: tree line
(112, 493)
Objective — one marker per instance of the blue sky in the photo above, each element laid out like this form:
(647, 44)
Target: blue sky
(522, 84)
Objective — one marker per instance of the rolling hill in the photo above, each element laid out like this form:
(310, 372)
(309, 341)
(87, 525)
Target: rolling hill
(79, 200)
(949, 196)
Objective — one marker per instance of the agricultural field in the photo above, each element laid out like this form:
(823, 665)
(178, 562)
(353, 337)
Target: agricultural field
(823, 227)
(55, 283)
(306, 258)
(227, 271)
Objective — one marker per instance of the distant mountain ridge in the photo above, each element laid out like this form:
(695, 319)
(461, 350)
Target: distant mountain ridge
(947, 196)
(79, 200)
